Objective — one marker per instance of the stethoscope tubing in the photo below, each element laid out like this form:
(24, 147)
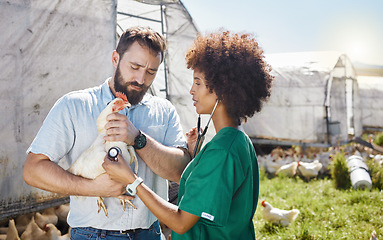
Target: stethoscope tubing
(201, 136)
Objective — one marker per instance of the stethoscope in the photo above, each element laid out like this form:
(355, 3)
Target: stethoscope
(201, 136)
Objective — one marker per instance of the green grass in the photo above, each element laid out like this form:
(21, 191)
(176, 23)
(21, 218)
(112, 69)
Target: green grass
(378, 140)
(325, 212)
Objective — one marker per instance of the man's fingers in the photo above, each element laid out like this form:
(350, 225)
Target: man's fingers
(116, 117)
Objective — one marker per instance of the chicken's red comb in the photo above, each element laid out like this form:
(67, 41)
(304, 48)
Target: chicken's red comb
(122, 96)
(263, 203)
(46, 228)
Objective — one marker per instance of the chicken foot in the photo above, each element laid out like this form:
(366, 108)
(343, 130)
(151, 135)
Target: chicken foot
(101, 204)
(123, 201)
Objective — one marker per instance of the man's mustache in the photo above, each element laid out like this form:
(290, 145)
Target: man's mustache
(142, 86)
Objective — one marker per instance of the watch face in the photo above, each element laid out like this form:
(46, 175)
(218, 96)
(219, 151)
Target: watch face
(140, 141)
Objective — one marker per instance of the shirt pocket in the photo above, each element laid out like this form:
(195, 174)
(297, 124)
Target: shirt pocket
(158, 132)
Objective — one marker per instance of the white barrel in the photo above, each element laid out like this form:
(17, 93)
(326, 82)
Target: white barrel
(360, 177)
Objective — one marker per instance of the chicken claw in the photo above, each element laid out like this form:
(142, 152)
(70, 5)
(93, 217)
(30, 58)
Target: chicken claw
(123, 201)
(101, 204)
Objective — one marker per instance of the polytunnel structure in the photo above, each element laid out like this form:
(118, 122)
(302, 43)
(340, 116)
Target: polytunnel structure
(371, 93)
(314, 101)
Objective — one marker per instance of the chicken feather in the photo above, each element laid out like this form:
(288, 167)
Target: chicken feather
(278, 216)
(309, 169)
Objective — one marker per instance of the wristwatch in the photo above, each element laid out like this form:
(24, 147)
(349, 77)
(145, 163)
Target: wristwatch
(139, 141)
(132, 188)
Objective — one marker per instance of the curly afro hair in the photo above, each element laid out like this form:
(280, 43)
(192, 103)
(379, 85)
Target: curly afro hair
(234, 68)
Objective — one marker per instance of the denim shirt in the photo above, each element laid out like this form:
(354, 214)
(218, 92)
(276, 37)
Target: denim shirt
(70, 128)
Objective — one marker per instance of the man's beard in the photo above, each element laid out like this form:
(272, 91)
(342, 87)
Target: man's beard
(134, 97)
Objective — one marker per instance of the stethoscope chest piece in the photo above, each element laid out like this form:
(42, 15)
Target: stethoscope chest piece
(113, 153)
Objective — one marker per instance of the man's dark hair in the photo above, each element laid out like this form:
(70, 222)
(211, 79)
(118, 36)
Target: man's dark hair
(146, 37)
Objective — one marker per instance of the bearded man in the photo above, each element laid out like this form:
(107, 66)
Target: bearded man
(151, 125)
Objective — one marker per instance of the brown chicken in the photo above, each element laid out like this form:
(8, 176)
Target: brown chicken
(12, 233)
(33, 231)
(47, 216)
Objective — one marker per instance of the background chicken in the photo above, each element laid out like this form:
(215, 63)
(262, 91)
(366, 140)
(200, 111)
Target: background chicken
(53, 233)
(309, 170)
(12, 233)
(62, 212)
(47, 216)
(272, 165)
(33, 231)
(89, 164)
(289, 169)
(22, 221)
(374, 236)
(278, 216)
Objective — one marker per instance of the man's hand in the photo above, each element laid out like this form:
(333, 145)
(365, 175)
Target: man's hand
(120, 128)
(106, 187)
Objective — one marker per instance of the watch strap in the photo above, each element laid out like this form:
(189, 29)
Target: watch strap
(132, 188)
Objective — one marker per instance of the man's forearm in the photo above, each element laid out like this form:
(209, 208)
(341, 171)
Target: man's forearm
(166, 162)
(42, 173)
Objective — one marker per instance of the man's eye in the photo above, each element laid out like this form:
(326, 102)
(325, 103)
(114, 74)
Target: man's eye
(151, 73)
(134, 67)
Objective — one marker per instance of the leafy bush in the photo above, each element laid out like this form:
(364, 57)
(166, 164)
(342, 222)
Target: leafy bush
(376, 173)
(340, 172)
(379, 139)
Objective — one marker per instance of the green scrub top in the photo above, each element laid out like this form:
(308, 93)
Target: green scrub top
(221, 186)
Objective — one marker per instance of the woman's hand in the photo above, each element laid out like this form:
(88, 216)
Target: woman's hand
(119, 170)
(191, 140)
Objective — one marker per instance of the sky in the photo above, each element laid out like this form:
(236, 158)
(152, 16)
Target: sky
(354, 27)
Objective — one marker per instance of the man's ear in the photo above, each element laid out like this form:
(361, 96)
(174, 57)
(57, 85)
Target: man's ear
(115, 58)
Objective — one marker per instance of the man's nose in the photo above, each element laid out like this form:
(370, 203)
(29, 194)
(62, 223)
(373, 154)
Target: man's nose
(140, 77)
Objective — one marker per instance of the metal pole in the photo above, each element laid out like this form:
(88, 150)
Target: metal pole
(165, 57)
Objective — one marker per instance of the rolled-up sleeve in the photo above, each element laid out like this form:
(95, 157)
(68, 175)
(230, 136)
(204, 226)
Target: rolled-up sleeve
(56, 135)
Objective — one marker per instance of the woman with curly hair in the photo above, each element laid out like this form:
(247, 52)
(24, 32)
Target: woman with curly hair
(218, 191)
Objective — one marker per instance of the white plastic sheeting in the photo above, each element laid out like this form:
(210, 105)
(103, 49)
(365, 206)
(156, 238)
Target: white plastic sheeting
(48, 48)
(371, 94)
(314, 93)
